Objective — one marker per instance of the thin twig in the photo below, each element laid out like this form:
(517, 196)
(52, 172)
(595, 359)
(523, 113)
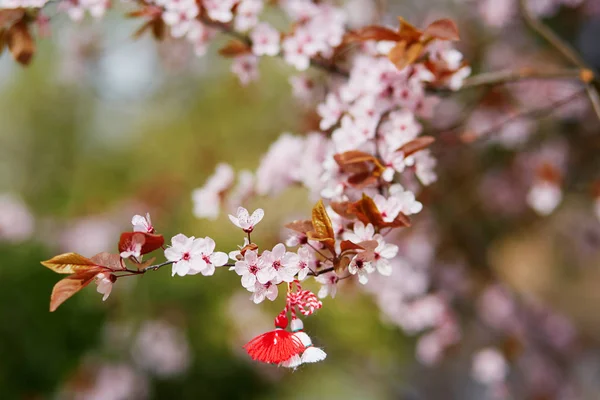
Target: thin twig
(552, 38)
(566, 51)
(535, 113)
(314, 62)
(157, 266)
(319, 251)
(509, 76)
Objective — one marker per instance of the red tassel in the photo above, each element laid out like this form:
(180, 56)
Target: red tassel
(276, 346)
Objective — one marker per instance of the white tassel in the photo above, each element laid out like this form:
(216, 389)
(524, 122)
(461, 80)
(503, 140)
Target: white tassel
(313, 354)
(304, 338)
(293, 362)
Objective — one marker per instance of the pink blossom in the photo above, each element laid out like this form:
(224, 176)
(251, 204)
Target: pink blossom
(105, 282)
(544, 196)
(330, 111)
(261, 291)
(383, 253)
(207, 199)
(304, 260)
(16, 221)
(219, 10)
(489, 366)
(360, 232)
(161, 348)
(278, 167)
(302, 87)
(361, 264)
(408, 202)
(277, 265)
(389, 208)
(245, 221)
(328, 283)
(134, 248)
(265, 40)
(76, 9)
(246, 15)
(424, 165)
(245, 67)
(142, 224)
(184, 252)
(179, 15)
(247, 268)
(192, 256)
(295, 53)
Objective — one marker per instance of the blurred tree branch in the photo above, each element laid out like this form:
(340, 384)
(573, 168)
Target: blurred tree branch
(587, 73)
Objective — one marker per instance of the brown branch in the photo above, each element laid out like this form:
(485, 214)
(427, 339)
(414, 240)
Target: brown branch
(314, 62)
(510, 76)
(534, 113)
(593, 84)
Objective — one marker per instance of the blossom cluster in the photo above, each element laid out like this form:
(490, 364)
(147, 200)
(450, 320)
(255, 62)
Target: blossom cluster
(365, 162)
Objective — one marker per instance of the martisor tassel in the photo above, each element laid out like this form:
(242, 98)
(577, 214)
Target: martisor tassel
(311, 354)
(277, 346)
(293, 362)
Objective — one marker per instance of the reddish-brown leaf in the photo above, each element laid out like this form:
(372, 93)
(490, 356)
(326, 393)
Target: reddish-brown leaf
(300, 226)
(417, 144)
(400, 221)
(70, 285)
(408, 32)
(20, 43)
(69, 263)
(349, 245)
(372, 32)
(323, 230)
(369, 245)
(364, 179)
(341, 208)
(444, 29)
(9, 16)
(234, 48)
(2, 40)
(341, 264)
(149, 241)
(159, 29)
(108, 260)
(402, 56)
(352, 157)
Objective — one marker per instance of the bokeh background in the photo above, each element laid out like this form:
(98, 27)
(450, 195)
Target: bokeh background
(102, 126)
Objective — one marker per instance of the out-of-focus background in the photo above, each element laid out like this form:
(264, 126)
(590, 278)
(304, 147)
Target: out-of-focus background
(101, 127)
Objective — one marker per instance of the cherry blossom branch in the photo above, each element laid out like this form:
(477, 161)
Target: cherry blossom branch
(314, 62)
(535, 113)
(510, 76)
(319, 251)
(587, 73)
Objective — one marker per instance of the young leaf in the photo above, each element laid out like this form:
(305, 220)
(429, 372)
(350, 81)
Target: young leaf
(2, 40)
(323, 230)
(69, 263)
(108, 260)
(300, 226)
(70, 285)
(149, 241)
(402, 56)
(372, 32)
(349, 245)
(342, 209)
(417, 144)
(352, 157)
(234, 48)
(20, 43)
(408, 32)
(443, 29)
